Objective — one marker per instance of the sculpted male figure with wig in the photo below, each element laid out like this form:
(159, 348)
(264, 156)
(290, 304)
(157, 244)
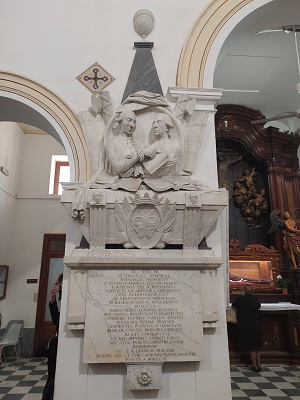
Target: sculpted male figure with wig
(124, 156)
(123, 153)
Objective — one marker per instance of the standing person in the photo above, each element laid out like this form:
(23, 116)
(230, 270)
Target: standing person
(52, 343)
(53, 307)
(248, 321)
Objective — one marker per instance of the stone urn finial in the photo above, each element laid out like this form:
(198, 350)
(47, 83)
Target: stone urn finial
(143, 23)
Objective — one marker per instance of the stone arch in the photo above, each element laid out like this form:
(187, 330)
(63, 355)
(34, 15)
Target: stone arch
(199, 54)
(51, 110)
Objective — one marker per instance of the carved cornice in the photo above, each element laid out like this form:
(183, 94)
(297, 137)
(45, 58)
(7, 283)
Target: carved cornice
(276, 148)
(252, 252)
(202, 96)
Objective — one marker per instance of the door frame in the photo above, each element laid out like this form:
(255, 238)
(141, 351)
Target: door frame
(43, 329)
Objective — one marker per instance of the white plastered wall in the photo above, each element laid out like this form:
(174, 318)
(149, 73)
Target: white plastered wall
(28, 213)
(60, 40)
(10, 150)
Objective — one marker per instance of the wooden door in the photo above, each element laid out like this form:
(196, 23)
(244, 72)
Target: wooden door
(51, 267)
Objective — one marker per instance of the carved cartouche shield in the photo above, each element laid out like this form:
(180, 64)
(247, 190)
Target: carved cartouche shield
(145, 227)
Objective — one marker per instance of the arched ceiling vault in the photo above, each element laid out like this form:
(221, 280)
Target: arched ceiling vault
(24, 100)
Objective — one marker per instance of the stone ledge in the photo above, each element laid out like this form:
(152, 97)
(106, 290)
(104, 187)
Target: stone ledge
(137, 258)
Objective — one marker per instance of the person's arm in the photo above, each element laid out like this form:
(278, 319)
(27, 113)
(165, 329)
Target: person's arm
(54, 312)
(117, 164)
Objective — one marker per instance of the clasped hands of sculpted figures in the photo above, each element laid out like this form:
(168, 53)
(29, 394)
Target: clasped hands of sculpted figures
(130, 158)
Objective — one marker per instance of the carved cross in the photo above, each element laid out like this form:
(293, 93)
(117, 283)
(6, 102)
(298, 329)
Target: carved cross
(95, 78)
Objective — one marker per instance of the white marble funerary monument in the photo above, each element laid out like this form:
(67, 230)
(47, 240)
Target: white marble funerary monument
(144, 290)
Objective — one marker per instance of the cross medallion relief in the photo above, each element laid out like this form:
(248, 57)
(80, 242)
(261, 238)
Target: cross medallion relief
(95, 78)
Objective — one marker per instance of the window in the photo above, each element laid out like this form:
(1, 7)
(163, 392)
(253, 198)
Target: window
(60, 172)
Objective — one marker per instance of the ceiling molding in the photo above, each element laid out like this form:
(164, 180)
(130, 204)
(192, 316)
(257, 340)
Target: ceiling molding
(195, 52)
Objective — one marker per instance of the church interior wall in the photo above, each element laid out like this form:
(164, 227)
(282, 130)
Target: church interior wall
(28, 212)
(55, 53)
(10, 152)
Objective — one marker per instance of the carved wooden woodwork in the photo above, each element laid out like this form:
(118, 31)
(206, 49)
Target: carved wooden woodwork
(280, 339)
(256, 253)
(253, 205)
(277, 150)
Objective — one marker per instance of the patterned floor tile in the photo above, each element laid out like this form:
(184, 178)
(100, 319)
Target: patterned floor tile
(273, 383)
(32, 396)
(27, 380)
(20, 390)
(274, 392)
(8, 384)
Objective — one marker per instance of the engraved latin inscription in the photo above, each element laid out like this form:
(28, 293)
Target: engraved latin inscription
(143, 316)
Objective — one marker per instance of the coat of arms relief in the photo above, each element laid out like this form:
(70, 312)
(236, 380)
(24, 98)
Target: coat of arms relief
(147, 224)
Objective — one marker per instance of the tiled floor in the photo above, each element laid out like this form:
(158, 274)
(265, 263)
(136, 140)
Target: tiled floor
(26, 381)
(278, 383)
(23, 380)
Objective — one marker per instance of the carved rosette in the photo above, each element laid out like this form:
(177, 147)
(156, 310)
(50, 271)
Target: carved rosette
(145, 222)
(144, 377)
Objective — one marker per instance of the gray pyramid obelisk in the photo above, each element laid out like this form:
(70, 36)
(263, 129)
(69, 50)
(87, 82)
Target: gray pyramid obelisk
(143, 74)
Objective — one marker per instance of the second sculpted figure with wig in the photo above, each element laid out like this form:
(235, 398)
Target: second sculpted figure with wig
(129, 161)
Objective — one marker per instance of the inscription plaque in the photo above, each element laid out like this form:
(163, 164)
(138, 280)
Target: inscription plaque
(143, 316)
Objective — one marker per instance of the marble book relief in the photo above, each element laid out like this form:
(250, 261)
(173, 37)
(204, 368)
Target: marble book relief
(143, 291)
